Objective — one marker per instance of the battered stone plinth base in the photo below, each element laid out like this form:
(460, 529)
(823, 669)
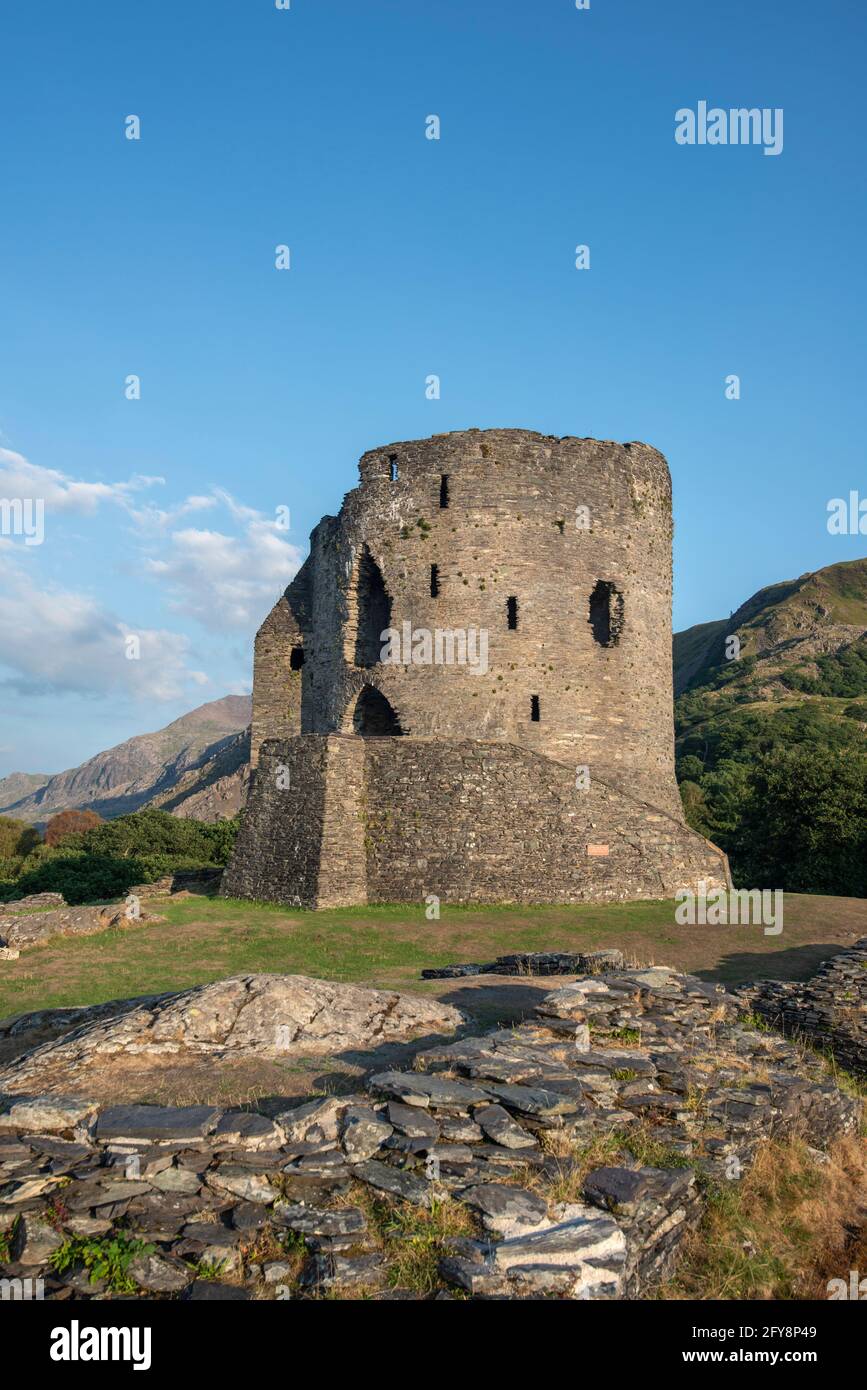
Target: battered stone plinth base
(221, 1199)
(338, 821)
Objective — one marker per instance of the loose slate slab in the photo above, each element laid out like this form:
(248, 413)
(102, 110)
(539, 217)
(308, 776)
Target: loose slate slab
(499, 1126)
(49, 1114)
(394, 1181)
(626, 1190)
(148, 1123)
(506, 1208)
(414, 1088)
(350, 1221)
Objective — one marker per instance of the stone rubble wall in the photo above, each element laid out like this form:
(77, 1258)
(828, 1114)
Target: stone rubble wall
(638, 1086)
(19, 931)
(829, 1009)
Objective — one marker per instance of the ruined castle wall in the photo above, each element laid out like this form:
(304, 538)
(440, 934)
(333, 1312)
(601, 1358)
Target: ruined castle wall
(277, 853)
(510, 530)
(342, 878)
(277, 685)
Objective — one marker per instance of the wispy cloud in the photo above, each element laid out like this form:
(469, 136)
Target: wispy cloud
(60, 493)
(226, 581)
(55, 640)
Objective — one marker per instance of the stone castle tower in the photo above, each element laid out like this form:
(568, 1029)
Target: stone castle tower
(466, 691)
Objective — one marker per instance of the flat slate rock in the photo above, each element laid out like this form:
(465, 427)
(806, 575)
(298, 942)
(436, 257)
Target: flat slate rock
(156, 1122)
(395, 1181)
(503, 1203)
(414, 1088)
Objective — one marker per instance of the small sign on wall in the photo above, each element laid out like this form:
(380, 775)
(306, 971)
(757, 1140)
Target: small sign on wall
(597, 849)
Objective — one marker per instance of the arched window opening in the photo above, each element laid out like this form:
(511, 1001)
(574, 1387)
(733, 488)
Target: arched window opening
(606, 613)
(374, 611)
(373, 716)
(444, 490)
(392, 467)
(512, 613)
(434, 581)
(296, 658)
(534, 709)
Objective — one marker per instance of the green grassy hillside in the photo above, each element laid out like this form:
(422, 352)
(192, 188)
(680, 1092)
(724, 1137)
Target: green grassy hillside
(771, 750)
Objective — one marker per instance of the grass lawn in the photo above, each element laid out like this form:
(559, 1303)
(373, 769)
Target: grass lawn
(209, 938)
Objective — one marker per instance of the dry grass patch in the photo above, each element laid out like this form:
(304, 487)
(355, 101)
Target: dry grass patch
(782, 1231)
(413, 1239)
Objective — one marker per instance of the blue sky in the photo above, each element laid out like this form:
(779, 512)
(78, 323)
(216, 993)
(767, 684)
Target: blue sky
(410, 257)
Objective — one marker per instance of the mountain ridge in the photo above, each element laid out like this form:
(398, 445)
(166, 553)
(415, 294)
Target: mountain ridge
(134, 773)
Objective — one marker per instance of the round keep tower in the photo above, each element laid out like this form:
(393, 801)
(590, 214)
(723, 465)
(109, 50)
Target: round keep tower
(498, 585)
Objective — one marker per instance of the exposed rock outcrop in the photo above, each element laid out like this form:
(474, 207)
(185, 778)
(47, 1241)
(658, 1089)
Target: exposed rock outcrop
(19, 930)
(249, 1015)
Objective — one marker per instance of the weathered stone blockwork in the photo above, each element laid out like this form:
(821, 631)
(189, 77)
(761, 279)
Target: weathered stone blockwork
(559, 551)
(828, 1010)
(393, 820)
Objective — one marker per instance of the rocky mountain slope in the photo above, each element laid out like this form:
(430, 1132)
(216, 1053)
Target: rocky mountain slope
(782, 629)
(801, 671)
(194, 766)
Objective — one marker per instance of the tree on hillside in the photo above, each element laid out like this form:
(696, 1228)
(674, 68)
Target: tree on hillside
(17, 838)
(67, 823)
(804, 824)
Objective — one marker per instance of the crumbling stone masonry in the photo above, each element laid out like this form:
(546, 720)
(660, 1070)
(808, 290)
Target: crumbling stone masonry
(464, 778)
(636, 1088)
(829, 1010)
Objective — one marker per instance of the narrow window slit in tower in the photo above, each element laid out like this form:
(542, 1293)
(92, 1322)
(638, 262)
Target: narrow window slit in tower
(606, 613)
(392, 464)
(512, 613)
(296, 658)
(434, 581)
(534, 709)
(444, 490)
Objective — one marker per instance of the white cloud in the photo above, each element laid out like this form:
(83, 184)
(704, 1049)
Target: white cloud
(54, 640)
(225, 577)
(226, 582)
(60, 493)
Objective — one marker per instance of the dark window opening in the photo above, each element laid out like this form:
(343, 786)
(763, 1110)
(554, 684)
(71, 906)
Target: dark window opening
(392, 464)
(296, 658)
(606, 613)
(434, 581)
(534, 709)
(512, 613)
(444, 489)
(374, 611)
(373, 716)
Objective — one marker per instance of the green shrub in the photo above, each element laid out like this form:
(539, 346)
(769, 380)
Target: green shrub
(108, 860)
